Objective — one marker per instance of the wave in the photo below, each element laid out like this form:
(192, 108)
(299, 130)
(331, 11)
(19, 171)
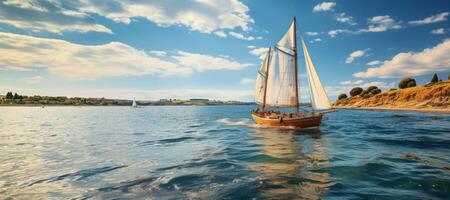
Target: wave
(236, 122)
(422, 142)
(80, 175)
(169, 140)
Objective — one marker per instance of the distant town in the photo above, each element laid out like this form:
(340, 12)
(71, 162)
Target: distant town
(14, 99)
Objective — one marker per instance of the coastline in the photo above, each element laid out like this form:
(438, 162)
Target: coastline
(59, 105)
(426, 110)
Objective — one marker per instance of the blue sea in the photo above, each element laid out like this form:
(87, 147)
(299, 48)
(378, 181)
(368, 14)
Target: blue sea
(217, 152)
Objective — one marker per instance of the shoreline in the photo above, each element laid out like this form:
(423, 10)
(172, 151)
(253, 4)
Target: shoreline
(34, 105)
(423, 110)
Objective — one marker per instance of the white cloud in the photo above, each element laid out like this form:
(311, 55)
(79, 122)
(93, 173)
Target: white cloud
(375, 24)
(25, 5)
(33, 79)
(312, 33)
(315, 40)
(260, 52)
(348, 82)
(76, 61)
(80, 61)
(429, 60)
(374, 62)
(38, 16)
(343, 18)
(251, 47)
(438, 31)
(220, 34)
(201, 15)
(247, 80)
(381, 24)
(334, 33)
(324, 6)
(358, 82)
(201, 62)
(158, 53)
(354, 55)
(206, 16)
(432, 19)
(242, 36)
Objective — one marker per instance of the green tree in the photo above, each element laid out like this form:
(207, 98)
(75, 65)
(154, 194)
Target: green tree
(406, 83)
(355, 91)
(16, 96)
(363, 93)
(435, 79)
(375, 91)
(9, 95)
(370, 88)
(342, 96)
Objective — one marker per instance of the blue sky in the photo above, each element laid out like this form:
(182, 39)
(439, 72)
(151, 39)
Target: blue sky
(211, 49)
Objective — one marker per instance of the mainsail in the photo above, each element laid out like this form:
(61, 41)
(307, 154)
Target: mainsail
(282, 80)
(319, 98)
(260, 85)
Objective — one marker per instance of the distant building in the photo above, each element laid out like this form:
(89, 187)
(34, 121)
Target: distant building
(199, 100)
(163, 100)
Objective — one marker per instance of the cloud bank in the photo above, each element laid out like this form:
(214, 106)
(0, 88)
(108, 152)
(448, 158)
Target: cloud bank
(206, 16)
(427, 61)
(74, 61)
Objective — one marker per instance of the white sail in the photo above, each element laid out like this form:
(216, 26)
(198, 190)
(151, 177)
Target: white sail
(261, 81)
(134, 103)
(319, 98)
(288, 40)
(281, 80)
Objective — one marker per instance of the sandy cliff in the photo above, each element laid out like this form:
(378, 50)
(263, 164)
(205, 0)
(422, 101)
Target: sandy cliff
(430, 96)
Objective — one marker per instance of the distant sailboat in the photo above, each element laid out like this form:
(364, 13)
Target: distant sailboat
(277, 86)
(134, 105)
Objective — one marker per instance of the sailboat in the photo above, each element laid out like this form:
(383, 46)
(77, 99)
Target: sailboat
(134, 105)
(277, 86)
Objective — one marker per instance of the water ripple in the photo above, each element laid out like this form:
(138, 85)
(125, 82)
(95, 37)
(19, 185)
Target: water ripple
(79, 175)
(217, 152)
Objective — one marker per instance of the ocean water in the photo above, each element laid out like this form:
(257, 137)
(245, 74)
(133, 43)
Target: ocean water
(217, 152)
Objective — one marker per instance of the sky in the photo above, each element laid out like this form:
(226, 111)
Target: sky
(152, 50)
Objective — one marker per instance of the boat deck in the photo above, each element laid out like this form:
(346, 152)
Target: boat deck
(286, 116)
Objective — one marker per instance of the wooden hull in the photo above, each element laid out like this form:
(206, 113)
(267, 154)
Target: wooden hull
(302, 122)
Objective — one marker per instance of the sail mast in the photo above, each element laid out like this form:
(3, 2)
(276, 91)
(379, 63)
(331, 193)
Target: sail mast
(266, 77)
(296, 63)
